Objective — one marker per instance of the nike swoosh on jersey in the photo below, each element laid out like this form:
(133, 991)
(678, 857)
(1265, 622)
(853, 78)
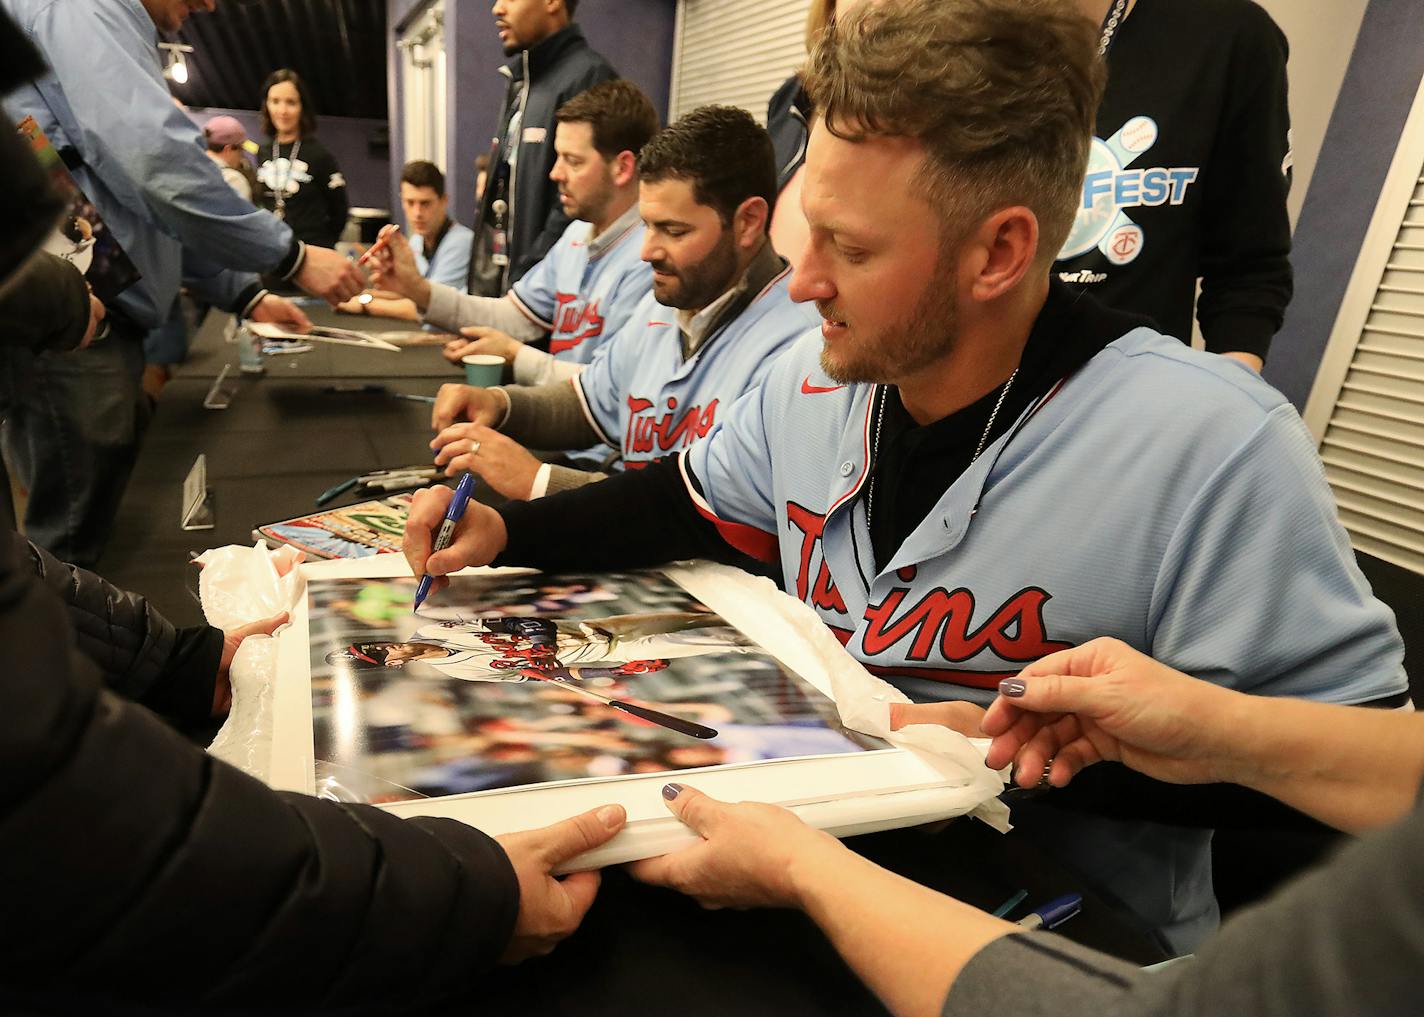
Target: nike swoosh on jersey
(808, 389)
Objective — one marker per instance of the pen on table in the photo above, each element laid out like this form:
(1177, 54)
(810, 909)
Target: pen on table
(332, 493)
(1003, 909)
(447, 532)
(382, 239)
(1054, 913)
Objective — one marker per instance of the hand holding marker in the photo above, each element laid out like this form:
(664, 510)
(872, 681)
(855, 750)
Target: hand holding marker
(447, 532)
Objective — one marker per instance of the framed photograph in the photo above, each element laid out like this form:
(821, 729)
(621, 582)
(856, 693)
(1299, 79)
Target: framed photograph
(517, 698)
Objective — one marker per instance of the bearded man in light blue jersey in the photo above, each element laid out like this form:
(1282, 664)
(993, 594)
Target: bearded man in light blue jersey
(585, 288)
(710, 330)
(969, 467)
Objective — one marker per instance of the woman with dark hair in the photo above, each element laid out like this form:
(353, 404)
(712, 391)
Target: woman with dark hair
(301, 182)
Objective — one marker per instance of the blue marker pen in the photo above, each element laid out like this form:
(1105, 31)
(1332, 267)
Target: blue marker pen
(447, 531)
(1054, 913)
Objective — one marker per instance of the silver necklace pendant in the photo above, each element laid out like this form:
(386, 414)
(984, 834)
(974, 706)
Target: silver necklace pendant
(880, 417)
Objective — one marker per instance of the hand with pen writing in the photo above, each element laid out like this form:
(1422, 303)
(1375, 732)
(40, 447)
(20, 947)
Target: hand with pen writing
(479, 536)
(392, 265)
(499, 460)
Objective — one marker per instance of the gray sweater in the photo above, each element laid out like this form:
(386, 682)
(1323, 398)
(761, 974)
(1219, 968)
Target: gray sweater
(1346, 939)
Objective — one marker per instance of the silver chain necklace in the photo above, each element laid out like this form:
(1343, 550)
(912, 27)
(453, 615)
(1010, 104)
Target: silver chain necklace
(1110, 25)
(978, 449)
(281, 191)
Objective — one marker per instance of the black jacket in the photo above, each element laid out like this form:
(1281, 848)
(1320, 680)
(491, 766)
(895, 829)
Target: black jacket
(788, 117)
(140, 870)
(541, 79)
(1191, 174)
(317, 209)
(45, 306)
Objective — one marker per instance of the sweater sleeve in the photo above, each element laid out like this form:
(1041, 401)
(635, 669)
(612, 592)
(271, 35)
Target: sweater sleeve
(1345, 939)
(213, 888)
(1246, 272)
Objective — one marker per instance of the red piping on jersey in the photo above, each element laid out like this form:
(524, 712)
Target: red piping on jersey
(864, 472)
(519, 306)
(748, 539)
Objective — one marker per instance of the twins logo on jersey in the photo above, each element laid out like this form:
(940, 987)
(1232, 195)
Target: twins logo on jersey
(574, 322)
(667, 433)
(1110, 188)
(515, 652)
(938, 623)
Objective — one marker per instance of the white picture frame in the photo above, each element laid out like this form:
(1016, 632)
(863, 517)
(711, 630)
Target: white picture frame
(847, 794)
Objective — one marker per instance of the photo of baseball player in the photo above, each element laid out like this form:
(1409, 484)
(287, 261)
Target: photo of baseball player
(525, 678)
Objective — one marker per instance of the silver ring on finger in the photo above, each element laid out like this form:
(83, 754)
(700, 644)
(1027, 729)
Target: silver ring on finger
(1047, 769)
(474, 448)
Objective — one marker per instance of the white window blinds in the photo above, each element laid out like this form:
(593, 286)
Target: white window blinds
(1367, 406)
(735, 52)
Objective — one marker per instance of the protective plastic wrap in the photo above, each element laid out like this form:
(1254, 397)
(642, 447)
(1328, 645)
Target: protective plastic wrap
(239, 585)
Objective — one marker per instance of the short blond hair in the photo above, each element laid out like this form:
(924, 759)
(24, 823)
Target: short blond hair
(1002, 95)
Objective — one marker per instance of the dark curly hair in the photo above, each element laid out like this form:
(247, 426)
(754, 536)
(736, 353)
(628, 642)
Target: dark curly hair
(721, 151)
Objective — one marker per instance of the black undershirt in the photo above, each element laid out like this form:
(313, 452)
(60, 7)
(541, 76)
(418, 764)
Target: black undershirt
(915, 464)
(429, 247)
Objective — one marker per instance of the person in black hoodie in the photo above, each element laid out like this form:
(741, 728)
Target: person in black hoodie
(520, 216)
(143, 874)
(1188, 175)
(300, 179)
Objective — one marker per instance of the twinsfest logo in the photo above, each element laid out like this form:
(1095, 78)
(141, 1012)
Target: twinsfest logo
(1111, 188)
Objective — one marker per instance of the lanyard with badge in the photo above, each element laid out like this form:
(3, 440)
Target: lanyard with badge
(280, 190)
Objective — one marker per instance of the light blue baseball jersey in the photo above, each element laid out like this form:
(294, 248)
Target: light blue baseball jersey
(451, 263)
(584, 293)
(1163, 496)
(642, 397)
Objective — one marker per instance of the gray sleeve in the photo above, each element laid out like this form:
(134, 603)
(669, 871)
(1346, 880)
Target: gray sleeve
(1344, 939)
(452, 310)
(548, 417)
(565, 478)
(1039, 973)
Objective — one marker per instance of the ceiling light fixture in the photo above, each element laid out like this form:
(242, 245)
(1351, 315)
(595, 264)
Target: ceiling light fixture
(176, 69)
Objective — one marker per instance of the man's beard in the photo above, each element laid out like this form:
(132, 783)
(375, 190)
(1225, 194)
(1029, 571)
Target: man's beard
(698, 285)
(926, 334)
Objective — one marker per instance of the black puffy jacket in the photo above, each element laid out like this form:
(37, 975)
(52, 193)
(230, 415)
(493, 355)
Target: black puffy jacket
(141, 871)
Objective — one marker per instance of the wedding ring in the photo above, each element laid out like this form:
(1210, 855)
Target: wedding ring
(474, 448)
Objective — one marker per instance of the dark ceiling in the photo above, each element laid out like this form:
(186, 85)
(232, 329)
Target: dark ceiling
(338, 46)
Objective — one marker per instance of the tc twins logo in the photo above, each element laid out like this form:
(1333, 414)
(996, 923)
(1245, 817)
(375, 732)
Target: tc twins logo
(1110, 187)
(657, 436)
(936, 624)
(573, 323)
